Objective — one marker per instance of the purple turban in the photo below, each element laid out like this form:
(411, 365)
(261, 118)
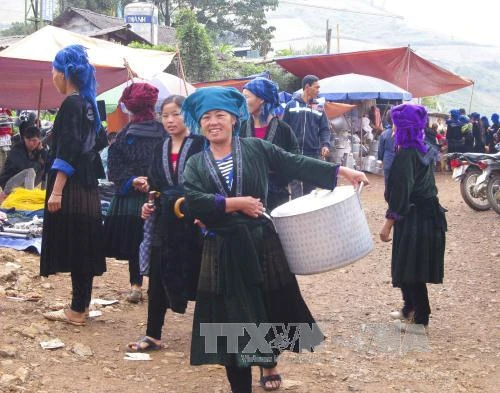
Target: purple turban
(410, 121)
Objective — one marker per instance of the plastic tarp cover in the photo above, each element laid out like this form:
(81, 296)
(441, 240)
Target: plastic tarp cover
(25, 67)
(400, 66)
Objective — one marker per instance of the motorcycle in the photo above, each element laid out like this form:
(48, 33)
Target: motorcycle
(468, 170)
(493, 186)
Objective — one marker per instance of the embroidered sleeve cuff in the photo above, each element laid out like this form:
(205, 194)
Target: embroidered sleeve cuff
(220, 203)
(336, 177)
(393, 216)
(127, 186)
(63, 166)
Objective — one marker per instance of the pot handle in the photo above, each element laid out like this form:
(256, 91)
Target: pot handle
(360, 188)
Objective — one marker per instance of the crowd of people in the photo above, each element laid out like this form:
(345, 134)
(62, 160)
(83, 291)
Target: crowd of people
(193, 188)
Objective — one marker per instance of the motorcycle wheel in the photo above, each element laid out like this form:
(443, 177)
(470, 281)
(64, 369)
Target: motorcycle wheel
(468, 181)
(493, 192)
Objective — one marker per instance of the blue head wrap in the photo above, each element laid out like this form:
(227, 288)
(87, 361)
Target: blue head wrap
(207, 99)
(494, 118)
(266, 90)
(463, 119)
(454, 113)
(73, 62)
(475, 115)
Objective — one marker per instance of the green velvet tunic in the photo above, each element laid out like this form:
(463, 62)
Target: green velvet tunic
(244, 275)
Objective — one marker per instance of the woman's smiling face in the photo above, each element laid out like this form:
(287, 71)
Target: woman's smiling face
(217, 126)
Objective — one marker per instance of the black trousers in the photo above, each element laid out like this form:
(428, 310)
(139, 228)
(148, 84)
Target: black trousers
(416, 299)
(82, 292)
(157, 301)
(134, 272)
(240, 379)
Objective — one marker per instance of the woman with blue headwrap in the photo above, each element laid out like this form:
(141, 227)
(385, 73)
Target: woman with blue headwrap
(478, 133)
(244, 280)
(454, 136)
(492, 135)
(262, 99)
(72, 225)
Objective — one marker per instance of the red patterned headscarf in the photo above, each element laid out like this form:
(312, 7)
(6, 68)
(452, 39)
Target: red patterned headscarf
(140, 99)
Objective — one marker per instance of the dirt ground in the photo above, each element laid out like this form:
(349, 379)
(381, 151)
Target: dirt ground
(363, 352)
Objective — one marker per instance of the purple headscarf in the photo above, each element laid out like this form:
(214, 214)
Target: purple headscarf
(410, 121)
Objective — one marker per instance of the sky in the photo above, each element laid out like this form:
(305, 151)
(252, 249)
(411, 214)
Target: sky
(479, 22)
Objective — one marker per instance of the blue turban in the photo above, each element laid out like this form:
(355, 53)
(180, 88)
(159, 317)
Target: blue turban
(266, 90)
(463, 119)
(475, 115)
(494, 118)
(207, 99)
(454, 113)
(74, 63)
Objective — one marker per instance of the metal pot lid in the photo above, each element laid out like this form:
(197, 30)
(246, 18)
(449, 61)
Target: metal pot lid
(316, 200)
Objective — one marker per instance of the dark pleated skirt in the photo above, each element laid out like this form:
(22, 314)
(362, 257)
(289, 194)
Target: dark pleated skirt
(175, 260)
(279, 294)
(72, 238)
(418, 246)
(124, 227)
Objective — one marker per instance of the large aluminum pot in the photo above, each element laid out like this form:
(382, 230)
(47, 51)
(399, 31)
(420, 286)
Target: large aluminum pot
(324, 230)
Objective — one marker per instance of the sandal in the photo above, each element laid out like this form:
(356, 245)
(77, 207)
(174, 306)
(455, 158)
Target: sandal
(60, 315)
(269, 378)
(134, 296)
(149, 345)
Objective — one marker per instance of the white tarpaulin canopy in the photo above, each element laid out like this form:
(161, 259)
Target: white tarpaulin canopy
(26, 66)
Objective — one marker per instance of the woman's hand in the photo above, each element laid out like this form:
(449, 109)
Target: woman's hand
(385, 233)
(55, 202)
(352, 176)
(199, 223)
(146, 211)
(250, 206)
(140, 183)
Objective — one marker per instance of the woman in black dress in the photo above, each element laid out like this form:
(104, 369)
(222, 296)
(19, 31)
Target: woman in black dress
(72, 226)
(129, 159)
(174, 253)
(417, 217)
(262, 99)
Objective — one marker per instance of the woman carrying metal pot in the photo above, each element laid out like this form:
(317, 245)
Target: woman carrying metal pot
(245, 282)
(175, 245)
(417, 217)
(262, 99)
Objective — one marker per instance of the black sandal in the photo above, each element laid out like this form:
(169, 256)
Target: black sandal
(269, 378)
(150, 345)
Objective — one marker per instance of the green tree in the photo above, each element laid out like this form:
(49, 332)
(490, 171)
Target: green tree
(195, 47)
(18, 28)
(107, 7)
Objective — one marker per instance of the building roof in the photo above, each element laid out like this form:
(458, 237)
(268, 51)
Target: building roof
(166, 34)
(5, 42)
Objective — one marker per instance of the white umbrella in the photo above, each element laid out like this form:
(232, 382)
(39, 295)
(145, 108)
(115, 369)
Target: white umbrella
(360, 87)
(167, 84)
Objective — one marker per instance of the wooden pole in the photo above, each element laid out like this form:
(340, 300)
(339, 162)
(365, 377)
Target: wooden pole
(471, 95)
(338, 38)
(39, 103)
(181, 69)
(328, 37)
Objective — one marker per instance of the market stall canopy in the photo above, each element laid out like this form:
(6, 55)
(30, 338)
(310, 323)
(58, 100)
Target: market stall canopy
(27, 64)
(335, 109)
(166, 83)
(237, 83)
(359, 87)
(400, 66)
